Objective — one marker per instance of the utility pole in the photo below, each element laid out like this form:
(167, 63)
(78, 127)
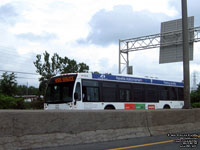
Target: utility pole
(186, 63)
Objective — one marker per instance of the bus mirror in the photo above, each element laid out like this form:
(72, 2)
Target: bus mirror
(76, 96)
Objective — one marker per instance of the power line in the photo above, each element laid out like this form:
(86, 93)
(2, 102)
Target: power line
(19, 72)
(24, 78)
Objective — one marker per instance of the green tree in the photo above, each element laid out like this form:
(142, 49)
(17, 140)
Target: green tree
(24, 90)
(195, 95)
(33, 91)
(8, 84)
(21, 90)
(96, 72)
(54, 66)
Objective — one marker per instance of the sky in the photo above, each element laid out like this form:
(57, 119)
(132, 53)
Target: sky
(88, 31)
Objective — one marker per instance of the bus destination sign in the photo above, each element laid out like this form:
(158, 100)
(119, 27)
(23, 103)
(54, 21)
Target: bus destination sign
(64, 79)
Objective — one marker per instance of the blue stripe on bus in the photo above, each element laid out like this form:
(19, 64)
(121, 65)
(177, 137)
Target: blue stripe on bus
(135, 79)
(120, 78)
(170, 83)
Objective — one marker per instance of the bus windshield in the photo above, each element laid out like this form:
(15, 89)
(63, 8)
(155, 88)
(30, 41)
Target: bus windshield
(59, 93)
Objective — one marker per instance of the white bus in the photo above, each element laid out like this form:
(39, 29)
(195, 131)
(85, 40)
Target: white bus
(102, 91)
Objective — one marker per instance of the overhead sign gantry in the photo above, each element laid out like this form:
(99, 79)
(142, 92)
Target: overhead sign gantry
(152, 41)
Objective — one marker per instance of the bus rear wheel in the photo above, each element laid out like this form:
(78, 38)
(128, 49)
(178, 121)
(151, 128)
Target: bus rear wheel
(109, 107)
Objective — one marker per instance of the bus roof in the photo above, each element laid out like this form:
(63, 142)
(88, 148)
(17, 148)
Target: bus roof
(126, 78)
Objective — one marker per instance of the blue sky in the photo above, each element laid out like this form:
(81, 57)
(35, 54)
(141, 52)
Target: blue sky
(88, 31)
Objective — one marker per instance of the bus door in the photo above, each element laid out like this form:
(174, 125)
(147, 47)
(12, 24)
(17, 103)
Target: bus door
(77, 102)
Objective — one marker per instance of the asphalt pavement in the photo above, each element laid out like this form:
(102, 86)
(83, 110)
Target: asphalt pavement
(175, 141)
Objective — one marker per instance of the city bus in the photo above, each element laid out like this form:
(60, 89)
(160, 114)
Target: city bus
(83, 91)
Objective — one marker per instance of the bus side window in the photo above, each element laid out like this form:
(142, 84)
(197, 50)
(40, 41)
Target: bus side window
(109, 91)
(124, 95)
(90, 91)
(92, 94)
(163, 93)
(78, 90)
(151, 93)
(138, 93)
(173, 93)
(180, 94)
(124, 92)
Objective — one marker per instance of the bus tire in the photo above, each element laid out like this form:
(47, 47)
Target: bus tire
(166, 107)
(109, 107)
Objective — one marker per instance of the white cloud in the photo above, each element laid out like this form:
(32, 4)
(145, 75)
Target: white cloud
(119, 23)
(58, 25)
(154, 6)
(98, 58)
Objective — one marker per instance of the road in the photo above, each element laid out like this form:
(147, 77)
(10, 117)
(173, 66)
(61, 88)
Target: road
(164, 142)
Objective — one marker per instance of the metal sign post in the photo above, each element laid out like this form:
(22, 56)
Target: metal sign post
(186, 63)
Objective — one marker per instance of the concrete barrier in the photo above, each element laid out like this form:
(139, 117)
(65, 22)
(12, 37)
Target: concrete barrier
(36, 129)
(172, 121)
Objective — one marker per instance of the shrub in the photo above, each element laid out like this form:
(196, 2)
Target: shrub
(38, 104)
(196, 105)
(35, 104)
(8, 102)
